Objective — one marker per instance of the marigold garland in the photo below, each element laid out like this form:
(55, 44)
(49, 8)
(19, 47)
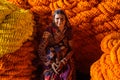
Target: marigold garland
(109, 62)
(15, 28)
(102, 17)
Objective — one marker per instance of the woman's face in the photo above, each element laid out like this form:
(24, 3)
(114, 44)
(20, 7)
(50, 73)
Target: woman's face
(59, 20)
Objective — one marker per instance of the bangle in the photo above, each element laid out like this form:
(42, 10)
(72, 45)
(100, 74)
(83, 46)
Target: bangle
(63, 61)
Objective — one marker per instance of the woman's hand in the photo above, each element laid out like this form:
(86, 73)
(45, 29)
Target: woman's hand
(60, 66)
(54, 67)
(57, 67)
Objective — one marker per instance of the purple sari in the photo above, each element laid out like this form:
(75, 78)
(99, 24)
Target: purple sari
(49, 73)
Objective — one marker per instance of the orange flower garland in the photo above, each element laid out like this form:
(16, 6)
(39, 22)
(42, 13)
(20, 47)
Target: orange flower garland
(102, 18)
(109, 66)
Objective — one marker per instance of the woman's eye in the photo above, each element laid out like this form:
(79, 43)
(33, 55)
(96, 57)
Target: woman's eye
(62, 19)
(57, 18)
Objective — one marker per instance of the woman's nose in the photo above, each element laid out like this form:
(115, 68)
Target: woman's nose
(60, 20)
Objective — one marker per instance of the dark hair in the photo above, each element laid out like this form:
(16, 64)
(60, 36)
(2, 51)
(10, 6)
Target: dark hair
(60, 11)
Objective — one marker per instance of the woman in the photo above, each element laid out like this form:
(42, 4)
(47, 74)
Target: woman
(55, 49)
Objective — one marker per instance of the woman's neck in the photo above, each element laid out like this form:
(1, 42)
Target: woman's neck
(61, 28)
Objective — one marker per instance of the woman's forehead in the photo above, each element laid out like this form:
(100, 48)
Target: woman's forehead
(59, 16)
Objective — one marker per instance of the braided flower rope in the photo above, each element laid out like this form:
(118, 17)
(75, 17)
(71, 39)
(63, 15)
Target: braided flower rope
(18, 65)
(16, 26)
(92, 20)
(108, 66)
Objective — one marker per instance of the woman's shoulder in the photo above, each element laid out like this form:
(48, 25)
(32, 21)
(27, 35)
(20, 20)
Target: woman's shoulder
(50, 29)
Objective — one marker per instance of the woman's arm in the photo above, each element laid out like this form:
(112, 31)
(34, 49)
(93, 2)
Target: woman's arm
(42, 46)
(44, 42)
(69, 55)
(69, 35)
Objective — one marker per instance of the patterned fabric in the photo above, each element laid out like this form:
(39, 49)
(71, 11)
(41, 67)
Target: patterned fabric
(54, 50)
